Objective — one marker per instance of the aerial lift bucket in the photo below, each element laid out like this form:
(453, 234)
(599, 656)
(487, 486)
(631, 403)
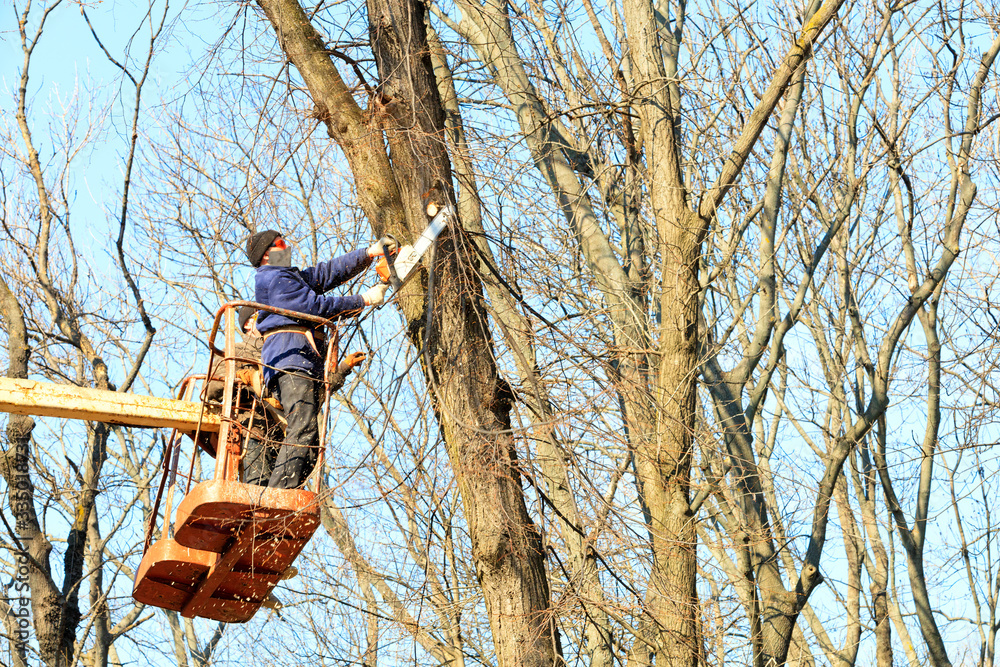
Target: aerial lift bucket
(232, 542)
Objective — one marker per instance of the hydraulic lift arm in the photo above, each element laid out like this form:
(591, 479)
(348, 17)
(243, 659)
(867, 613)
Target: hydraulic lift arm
(46, 399)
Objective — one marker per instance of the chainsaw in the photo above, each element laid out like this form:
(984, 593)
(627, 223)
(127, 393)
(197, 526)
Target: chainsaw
(398, 269)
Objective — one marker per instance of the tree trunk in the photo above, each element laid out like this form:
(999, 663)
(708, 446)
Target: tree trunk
(449, 326)
(663, 456)
(47, 603)
(472, 402)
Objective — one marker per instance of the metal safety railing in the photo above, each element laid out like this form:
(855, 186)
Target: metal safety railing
(228, 443)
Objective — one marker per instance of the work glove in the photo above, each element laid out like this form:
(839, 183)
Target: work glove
(378, 248)
(354, 359)
(245, 375)
(375, 296)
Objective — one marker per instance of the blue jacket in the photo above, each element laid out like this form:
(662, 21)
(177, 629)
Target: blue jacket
(301, 290)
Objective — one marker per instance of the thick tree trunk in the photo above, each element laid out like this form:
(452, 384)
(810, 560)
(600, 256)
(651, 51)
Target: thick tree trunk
(663, 455)
(664, 469)
(471, 401)
(53, 631)
(664, 465)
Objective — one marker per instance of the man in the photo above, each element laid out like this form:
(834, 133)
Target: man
(247, 357)
(294, 350)
(248, 407)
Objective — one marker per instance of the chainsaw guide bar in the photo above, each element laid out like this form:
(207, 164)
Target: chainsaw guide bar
(398, 270)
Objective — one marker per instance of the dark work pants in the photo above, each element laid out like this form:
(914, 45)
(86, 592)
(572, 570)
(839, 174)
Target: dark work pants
(258, 459)
(301, 398)
(262, 441)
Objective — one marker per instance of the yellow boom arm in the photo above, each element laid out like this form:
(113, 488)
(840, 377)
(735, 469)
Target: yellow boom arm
(46, 399)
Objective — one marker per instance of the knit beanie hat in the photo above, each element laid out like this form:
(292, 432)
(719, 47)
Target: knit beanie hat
(246, 312)
(258, 244)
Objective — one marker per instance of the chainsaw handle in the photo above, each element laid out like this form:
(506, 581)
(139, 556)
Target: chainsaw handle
(390, 261)
(385, 246)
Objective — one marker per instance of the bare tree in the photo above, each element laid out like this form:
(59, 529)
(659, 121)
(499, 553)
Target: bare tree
(664, 399)
(642, 194)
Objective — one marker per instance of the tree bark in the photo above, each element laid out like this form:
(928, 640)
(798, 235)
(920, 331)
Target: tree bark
(14, 463)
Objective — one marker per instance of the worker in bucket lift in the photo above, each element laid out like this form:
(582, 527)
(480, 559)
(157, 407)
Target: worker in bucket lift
(248, 401)
(294, 350)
